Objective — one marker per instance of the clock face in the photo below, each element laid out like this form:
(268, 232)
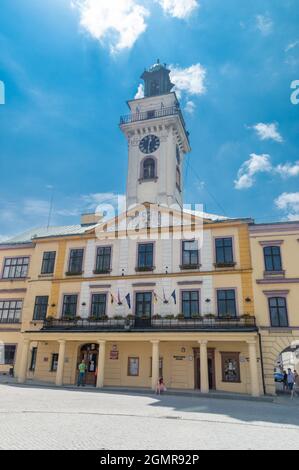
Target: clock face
(149, 144)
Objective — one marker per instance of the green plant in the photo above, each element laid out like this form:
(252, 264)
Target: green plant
(118, 317)
(209, 316)
(180, 316)
(92, 318)
(157, 316)
(169, 317)
(130, 316)
(196, 316)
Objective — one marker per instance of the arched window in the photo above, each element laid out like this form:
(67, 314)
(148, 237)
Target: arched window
(149, 169)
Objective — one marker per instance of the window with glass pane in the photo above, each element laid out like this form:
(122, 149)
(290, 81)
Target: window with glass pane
(40, 307)
(190, 303)
(230, 367)
(133, 366)
(103, 261)
(190, 253)
(16, 268)
(33, 359)
(224, 250)
(98, 305)
(10, 311)
(145, 255)
(149, 169)
(143, 304)
(9, 354)
(278, 311)
(272, 258)
(54, 362)
(48, 262)
(76, 261)
(69, 308)
(226, 301)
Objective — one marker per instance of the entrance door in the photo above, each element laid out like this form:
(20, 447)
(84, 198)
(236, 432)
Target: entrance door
(143, 309)
(211, 369)
(89, 353)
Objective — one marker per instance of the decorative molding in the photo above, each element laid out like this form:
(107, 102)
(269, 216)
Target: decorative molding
(189, 283)
(276, 293)
(17, 246)
(294, 280)
(143, 284)
(278, 227)
(99, 286)
(12, 291)
(271, 242)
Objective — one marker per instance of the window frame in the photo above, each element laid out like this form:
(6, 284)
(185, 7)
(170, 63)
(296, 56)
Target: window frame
(189, 265)
(36, 305)
(224, 263)
(15, 266)
(13, 361)
(69, 271)
(108, 269)
(14, 319)
(145, 267)
(93, 294)
(278, 307)
(54, 362)
(33, 359)
(272, 258)
(63, 316)
(190, 301)
(227, 289)
(147, 302)
(129, 374)
(47, 262)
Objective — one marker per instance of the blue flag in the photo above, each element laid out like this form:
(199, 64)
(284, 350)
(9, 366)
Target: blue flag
(128, 299)
(173, 295)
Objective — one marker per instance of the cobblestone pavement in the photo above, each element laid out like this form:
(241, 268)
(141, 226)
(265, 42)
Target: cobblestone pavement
(47, 418)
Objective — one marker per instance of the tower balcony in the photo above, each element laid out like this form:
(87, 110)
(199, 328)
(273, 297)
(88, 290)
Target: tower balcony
(153, 114)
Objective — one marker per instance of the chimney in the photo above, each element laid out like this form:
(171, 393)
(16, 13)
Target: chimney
(91, 218)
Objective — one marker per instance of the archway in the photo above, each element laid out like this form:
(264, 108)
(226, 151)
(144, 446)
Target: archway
(287, 359)
(89, 354)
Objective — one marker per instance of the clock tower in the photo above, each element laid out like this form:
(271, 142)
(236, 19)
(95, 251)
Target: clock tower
(157, 142)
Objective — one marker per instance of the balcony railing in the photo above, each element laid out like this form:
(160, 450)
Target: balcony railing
(158, 113)
(150, 324)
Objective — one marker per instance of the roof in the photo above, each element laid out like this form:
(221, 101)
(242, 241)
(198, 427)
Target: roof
(45, 232)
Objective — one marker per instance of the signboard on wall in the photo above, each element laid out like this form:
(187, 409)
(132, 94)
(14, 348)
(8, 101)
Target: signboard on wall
(114, 352)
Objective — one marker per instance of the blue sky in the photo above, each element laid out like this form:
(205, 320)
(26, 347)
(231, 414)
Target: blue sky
(70, 65)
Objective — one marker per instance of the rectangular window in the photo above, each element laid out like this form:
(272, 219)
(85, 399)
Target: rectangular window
(16, 268)
(278, 312)
(76, 261)
(230, 367)
(98, 305)
(143, 304)
(272, 258)
(103, 261)
(10, 311)
(226, 302)
(133, 366)
(224, 251)
(33, 359)
(145, 256)
(190, 255)
(190, 303)
(54, 362)
(48, 262)
(10, 354)
(69, 307)
(40, 307)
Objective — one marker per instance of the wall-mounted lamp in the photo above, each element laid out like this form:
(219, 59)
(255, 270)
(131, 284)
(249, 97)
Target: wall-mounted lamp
(208, 300)
(248, 299)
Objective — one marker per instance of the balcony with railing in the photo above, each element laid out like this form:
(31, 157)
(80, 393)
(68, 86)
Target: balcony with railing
(153, 114)
(237, 324)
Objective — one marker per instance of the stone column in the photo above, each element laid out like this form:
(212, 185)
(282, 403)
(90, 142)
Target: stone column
(155, 363)
(204, 375)
(101, 364)
(22, 375)
(60, 366)
(254, 376)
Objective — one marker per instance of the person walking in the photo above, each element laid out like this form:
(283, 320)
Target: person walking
(291, 380)
(285, 381)
(81, 374)
(295, 385)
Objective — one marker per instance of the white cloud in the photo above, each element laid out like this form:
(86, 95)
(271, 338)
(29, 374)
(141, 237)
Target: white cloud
(140, 92)
(291, 46)
(190, 79)
(179, 8)
(119, 22)
(264, 24)
(288, 169)
(289, 202)
(190, 107)
(256, 164)
(268, 131)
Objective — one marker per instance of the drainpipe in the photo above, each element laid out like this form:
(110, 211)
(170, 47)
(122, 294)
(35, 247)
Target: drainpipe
(262, 362)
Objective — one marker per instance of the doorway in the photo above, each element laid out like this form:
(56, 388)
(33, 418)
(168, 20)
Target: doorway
(89, 354)
(211, 369)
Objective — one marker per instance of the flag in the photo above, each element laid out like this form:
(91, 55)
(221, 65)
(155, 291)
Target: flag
(128, 299)
(111, 298)
(165, 301)
(155, 298)
(173, 295)
(118, 298)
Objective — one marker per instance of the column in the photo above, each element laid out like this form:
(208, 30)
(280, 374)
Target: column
(204, 375)
(60, 366)
(22, 375)
(101, 364)
(155, 363)
(254, 376)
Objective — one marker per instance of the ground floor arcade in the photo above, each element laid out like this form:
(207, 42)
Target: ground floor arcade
(226, 362)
